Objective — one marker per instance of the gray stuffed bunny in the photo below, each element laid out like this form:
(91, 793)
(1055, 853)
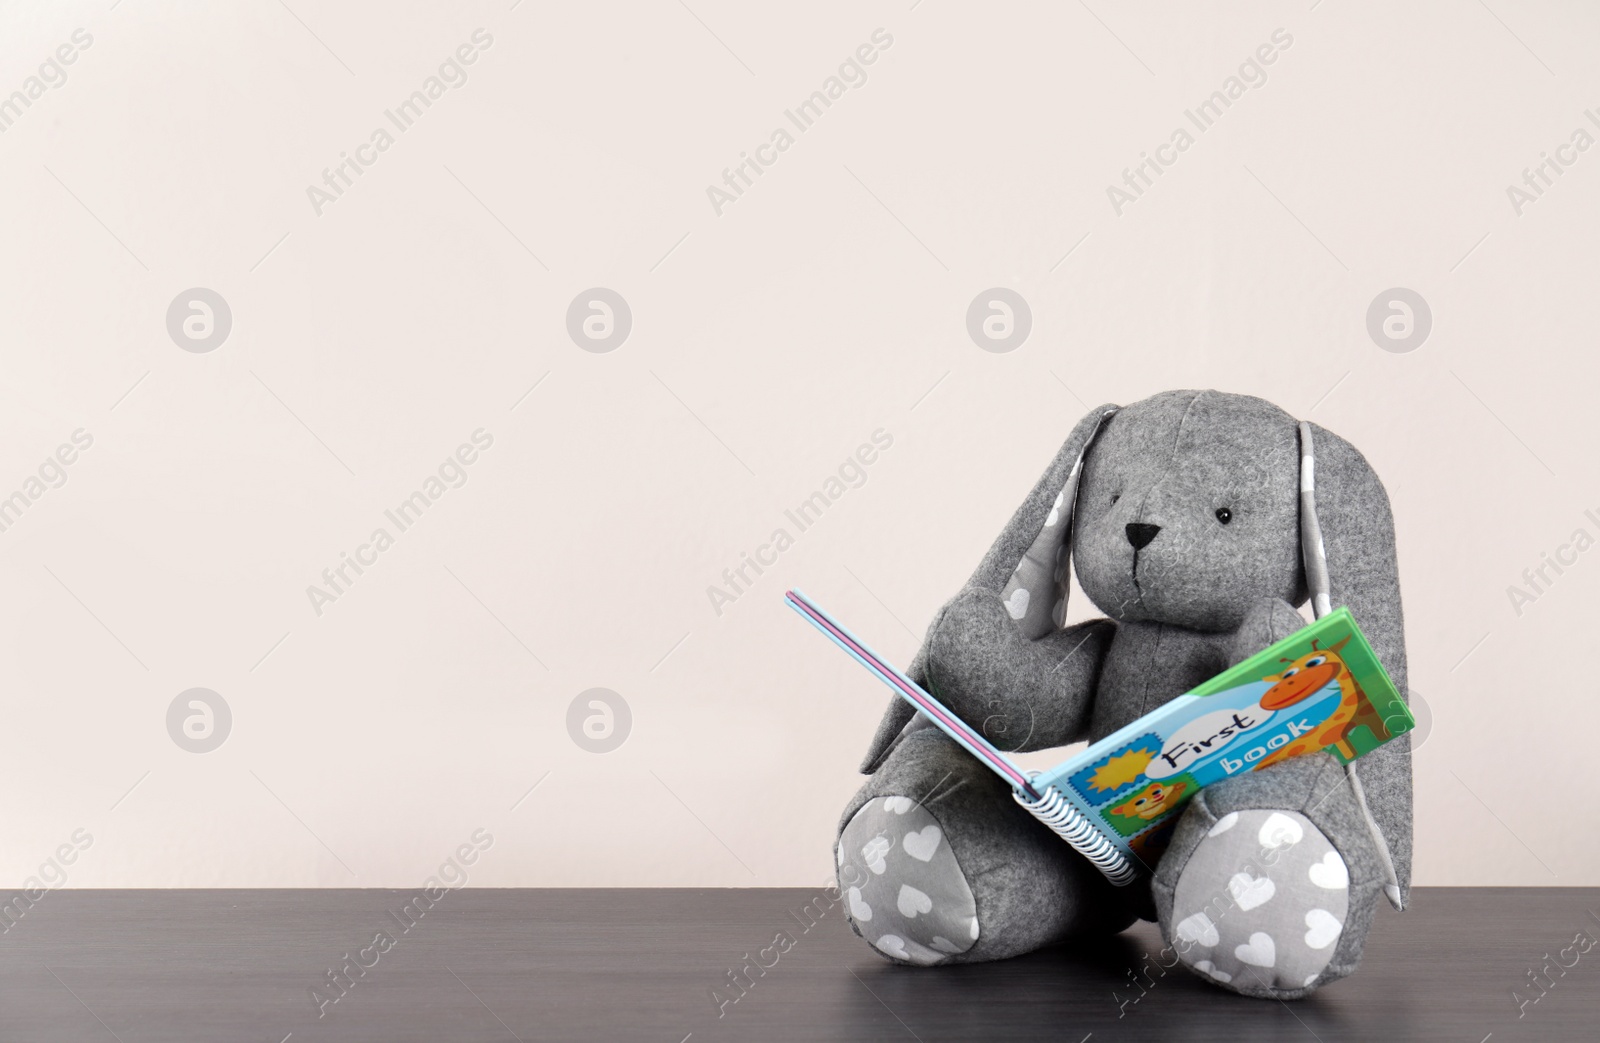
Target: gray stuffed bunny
(1197, 521)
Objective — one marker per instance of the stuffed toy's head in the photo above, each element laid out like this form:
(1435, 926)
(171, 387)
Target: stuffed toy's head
(1188, 507)
(1188, 511)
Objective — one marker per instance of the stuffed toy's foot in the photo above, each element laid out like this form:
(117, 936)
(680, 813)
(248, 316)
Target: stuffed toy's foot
(925, 911)
(1271, 881)
(937, 864)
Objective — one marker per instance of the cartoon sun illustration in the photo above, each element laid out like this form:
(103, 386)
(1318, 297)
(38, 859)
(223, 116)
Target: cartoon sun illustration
(1121, 769)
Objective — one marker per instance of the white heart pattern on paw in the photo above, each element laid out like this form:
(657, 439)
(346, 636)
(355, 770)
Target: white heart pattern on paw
(1279, 829)
(1206, 967)
(912, 902)
(1017, 603)
(1258, 951)
(1223, 824)
(1251, 891)
(1330, 872)
(1198, 928)
(1255, 903)
(894, 945)
(1324, 928)
(922, 844)
(918, 901)
(872, 853)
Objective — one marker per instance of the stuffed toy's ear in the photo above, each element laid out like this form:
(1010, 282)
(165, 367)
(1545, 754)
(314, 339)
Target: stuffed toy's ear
(1035, 593)
(1342, 497)
(1027, 565)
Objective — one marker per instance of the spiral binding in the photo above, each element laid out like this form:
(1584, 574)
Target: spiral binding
(1055, 811)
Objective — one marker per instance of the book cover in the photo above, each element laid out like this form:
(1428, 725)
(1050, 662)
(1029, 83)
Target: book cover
(1320, 688)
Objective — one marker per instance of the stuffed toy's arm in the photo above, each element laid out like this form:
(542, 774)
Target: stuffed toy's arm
(993, 653)
(1022, 695)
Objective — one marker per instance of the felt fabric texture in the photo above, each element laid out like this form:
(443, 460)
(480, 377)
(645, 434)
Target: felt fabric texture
(1022, 695)
(1218, 478)
(1173, 461)
(1036, 594)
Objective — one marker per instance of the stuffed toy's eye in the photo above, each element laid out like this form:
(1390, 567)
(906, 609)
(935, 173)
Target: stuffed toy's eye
(1224, 515)
(1289, 672)
(1115, 497)
(1316, 660)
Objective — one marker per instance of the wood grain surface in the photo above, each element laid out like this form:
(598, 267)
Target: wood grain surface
(499, 965)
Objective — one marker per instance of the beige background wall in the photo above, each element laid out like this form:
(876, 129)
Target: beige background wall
(827, 302)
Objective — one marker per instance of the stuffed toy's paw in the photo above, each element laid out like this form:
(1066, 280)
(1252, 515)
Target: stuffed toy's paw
(924, 912)
(1271, 881)
(1022, 694)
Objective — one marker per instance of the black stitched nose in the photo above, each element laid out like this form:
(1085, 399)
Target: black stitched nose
(1140, 534)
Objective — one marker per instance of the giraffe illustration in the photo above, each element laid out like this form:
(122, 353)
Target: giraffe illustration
(1308, 675)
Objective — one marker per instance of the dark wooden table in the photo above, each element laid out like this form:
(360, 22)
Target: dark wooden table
(530, 965)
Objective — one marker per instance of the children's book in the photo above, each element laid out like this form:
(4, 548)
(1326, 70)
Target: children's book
(1320, 688)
